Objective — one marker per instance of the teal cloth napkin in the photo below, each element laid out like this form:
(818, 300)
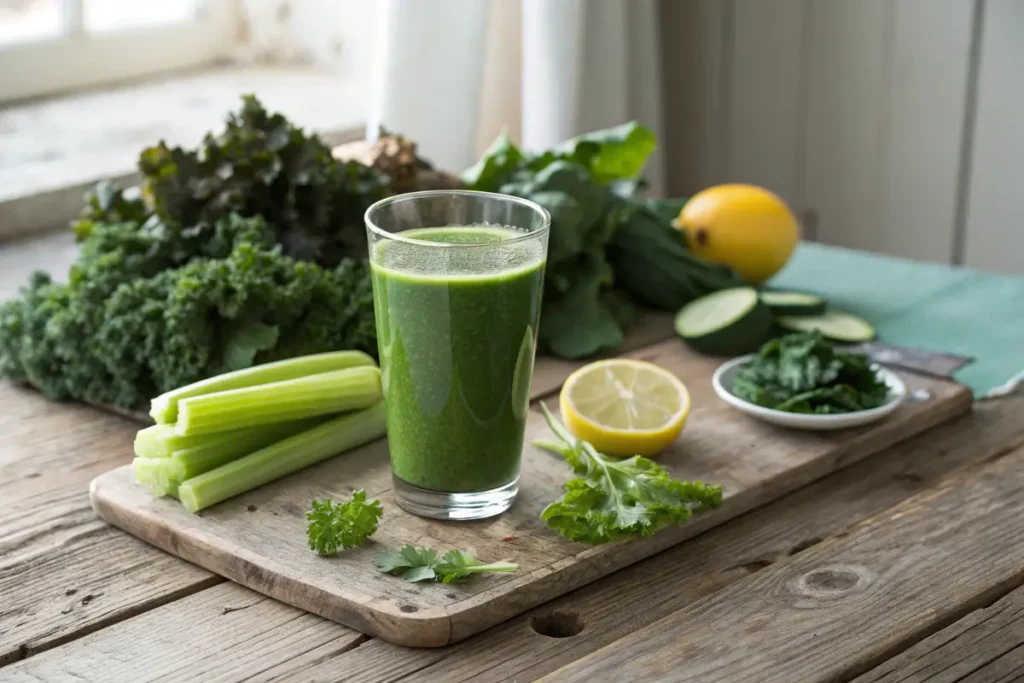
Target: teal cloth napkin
(922, 305)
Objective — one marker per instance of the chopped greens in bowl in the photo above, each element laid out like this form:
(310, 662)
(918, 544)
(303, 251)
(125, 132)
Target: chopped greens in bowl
(803, 373)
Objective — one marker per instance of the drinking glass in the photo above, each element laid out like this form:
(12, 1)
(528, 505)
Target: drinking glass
(457, 282)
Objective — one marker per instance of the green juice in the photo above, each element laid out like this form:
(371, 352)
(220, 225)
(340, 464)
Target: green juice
(456, 332)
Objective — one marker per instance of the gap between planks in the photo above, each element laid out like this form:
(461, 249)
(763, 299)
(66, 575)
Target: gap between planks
(619, 604)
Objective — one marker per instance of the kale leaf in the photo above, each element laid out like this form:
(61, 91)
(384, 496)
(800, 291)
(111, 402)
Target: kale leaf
(803, 373)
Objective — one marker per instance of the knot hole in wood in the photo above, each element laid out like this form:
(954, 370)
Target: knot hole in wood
(833, 581)
(559, 623)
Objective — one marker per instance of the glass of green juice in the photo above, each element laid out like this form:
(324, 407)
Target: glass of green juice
(457, 281)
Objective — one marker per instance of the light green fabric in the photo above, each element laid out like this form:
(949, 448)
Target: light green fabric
(923, 305)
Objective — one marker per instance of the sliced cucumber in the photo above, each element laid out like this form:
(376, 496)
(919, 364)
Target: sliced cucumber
(793, 303)
(834, 325)
(725, 323)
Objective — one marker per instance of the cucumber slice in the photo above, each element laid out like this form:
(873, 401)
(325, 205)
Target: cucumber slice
(725, 323)
(793, 303)
(834, 325)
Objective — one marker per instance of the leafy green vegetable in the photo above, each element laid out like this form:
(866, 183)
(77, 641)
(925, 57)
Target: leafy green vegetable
(423, 564)
(604, 241)
(803, 373)
(614, 499)
(119, 334)
(262, 165)
(193, 278)
(338, 526)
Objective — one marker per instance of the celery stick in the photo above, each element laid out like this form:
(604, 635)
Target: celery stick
(164, 408)
(159, 441)
(193, 461)
(284, 457)
(295, 399)
(159, 475)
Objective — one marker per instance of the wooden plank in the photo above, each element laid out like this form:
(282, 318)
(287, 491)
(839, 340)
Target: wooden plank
(258, 539)
(255, 637)
(839, 608)
(62, 571)
(986, 646)
(618, 605)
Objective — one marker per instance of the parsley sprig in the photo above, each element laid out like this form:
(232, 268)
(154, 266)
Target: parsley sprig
(337, 526)
(613, 498)
(423, 564)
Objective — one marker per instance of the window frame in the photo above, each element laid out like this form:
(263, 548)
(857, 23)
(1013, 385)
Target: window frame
(78, 60)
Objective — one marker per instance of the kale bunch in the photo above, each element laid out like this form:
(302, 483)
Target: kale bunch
(803, 373)
(119, 333)
(237, 253)
(262, 165)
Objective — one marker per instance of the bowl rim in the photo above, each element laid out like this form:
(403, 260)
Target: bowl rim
(897, 393)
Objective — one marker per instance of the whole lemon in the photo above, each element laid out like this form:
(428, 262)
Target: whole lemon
(745, 227)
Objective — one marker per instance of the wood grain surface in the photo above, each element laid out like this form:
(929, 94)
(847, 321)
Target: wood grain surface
(179, 639)
(522, 649)
(986, 646)
(609, 608)
(258, 539)
(63, 572)
(847, 604)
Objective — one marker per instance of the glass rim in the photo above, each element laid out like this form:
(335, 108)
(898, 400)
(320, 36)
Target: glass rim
(411, 196)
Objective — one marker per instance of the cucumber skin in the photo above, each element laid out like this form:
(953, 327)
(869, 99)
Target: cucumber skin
(796, 309)
(787, 329)
(745, 336)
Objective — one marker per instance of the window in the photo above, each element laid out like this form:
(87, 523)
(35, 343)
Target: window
(50, 46)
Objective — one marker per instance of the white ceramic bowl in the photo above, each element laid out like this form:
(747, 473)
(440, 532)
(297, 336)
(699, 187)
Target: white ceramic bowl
(723, 379)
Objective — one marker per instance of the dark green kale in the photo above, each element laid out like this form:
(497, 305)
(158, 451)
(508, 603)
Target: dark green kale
(262, 165)
(235, 253)
(803, 373)
(132, 323)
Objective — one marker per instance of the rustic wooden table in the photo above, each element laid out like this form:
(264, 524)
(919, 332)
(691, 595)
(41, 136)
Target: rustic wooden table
(904, 567)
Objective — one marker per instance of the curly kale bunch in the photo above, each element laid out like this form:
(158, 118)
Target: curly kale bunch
(235, 254)
(262, 165)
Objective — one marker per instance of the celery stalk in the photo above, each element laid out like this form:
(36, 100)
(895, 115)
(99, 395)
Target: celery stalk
(296, 399)
(190, 462)
(162, 475)
(164, 408)
(284, 457)
(159, 475)
(160, 441)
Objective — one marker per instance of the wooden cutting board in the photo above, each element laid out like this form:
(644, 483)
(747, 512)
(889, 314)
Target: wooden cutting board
(258, 539)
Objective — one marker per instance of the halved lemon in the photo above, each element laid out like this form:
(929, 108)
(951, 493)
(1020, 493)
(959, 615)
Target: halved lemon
(625, 407)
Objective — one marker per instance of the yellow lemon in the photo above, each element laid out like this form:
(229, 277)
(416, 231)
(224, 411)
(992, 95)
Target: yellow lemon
(745, 227)
(625, 407)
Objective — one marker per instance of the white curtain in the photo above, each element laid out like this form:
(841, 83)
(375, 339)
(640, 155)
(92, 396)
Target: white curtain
(451, 74)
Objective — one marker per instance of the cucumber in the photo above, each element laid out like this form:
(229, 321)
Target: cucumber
(725, 323)
(835, 325)
(793, 303)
